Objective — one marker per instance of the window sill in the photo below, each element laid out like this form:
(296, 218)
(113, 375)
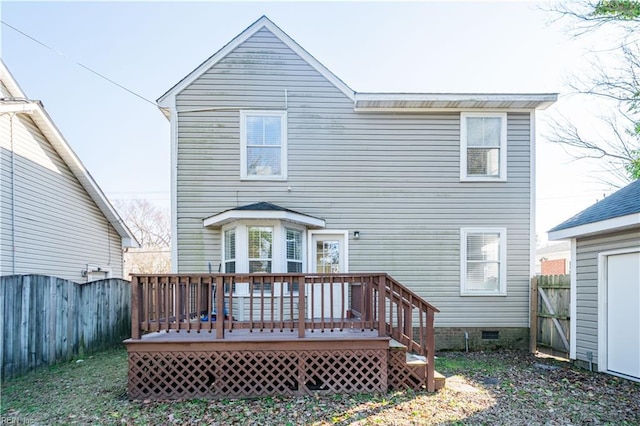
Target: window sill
(483, 294)
(482, 179)
(264, 178)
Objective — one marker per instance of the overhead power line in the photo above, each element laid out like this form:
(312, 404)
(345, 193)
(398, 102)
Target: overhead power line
(77, 63)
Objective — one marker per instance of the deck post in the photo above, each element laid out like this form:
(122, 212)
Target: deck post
(302, 288)
(219, 307)
(382, 316)
(431, 348)
(135, 309)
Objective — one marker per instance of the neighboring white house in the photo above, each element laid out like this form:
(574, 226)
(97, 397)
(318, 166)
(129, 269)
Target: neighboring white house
(54, 218)
(279, 166)
(605, 282)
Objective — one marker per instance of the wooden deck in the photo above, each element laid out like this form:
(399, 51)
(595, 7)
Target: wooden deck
(273, 343)
(245, 335)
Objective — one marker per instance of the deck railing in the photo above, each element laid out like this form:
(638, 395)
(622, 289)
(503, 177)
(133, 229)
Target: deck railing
(302, 303)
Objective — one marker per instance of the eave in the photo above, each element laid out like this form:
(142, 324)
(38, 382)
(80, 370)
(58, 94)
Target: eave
(451, 101)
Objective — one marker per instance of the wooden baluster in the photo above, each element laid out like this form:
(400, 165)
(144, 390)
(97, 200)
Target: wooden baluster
(261, 304)
(250, 305)
(210, 301)
(302, 289)
(322, 300)
(219, 307)
(281, 304)
(230, 307)
(168, 301)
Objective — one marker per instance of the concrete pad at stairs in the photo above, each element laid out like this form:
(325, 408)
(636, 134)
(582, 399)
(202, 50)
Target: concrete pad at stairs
(459, 384)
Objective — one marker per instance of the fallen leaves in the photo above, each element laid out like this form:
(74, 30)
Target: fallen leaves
(505, 387)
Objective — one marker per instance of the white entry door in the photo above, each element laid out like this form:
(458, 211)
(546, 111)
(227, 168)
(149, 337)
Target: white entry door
(328, 255)
(623, 314)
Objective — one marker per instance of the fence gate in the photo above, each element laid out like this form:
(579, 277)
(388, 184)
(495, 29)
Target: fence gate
(550, 299)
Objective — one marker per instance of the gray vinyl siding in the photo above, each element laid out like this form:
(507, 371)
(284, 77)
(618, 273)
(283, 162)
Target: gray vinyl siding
(587, 250)
(393, 177)
(58, 227)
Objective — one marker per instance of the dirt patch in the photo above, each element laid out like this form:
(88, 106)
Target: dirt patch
(505, 388)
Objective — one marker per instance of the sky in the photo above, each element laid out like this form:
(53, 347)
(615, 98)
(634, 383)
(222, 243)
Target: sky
(147, 47)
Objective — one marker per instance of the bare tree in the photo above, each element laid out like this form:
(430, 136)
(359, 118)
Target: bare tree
(614, 75)
(152, 227)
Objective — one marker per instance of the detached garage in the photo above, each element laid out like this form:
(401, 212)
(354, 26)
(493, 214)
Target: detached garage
(605, 283)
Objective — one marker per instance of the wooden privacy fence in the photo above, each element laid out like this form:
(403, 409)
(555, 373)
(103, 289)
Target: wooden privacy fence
(550, 301)
(48, 319)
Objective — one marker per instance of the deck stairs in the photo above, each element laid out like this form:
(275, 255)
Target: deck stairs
(409, 370)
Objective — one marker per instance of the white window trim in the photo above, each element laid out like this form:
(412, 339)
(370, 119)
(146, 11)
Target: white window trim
(502, 176)
(502, 259)
(243, 144)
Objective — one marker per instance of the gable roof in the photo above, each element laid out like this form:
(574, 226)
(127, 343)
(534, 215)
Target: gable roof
(20, 103)
(618, 211)
(366, 101)
(264, 22)
(263, 210)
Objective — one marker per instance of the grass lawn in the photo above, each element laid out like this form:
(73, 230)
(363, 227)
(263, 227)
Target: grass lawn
(506, 387)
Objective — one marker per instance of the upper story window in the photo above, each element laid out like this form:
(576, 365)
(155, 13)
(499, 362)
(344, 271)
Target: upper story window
(483, 261)
(483, 146)
(263, 145)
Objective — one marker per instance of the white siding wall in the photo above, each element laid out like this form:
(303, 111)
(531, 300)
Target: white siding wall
(393, 177)
(587, 250)
(58, 228)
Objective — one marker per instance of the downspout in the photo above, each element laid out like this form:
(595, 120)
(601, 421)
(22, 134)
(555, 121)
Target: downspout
(13, 197)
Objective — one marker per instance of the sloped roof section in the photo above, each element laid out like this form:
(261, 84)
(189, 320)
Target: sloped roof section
(260, 211)
(44, 122)
(619, 210)
(166, 100)
(368, 101)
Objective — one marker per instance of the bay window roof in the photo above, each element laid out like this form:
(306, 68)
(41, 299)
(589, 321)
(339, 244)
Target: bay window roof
(262, 211)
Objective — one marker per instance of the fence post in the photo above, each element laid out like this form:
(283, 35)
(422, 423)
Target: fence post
(533, 320)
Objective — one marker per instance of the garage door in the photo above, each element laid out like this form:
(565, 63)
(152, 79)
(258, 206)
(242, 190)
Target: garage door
(623, 312)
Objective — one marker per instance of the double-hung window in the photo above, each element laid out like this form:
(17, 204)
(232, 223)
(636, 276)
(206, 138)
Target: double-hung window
(263, 141)
(230, 251)
(483, 146)
(260, 249)
(294, 250)
(483, 261)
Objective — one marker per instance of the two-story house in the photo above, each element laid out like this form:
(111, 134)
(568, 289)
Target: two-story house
(279, 166)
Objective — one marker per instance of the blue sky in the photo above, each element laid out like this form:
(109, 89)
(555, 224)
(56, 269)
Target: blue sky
(372, 46)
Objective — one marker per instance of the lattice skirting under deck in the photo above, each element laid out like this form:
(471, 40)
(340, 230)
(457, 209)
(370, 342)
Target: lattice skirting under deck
(238, 373)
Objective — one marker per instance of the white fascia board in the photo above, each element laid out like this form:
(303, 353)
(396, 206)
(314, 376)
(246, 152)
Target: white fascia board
(264, 22)
(609, 225)
(233, 215)
(53, 135)
(18, 107)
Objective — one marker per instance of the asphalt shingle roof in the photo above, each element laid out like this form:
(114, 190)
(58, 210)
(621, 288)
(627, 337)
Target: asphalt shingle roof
(621, 203)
